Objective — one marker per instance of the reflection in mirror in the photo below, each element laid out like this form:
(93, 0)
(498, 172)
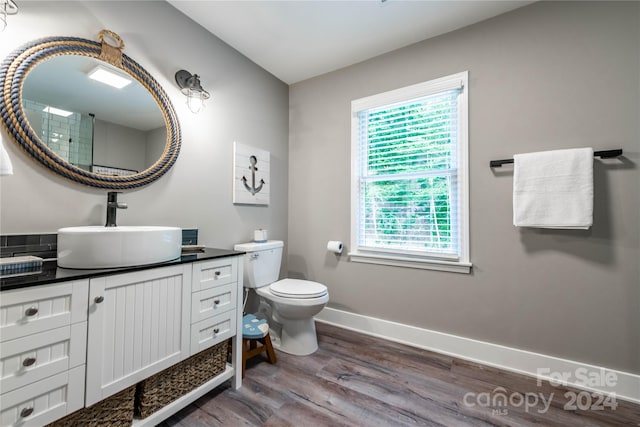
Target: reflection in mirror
(92, 125)
(45, 92)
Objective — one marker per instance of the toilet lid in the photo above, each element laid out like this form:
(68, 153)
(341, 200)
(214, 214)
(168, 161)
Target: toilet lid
(294, 288)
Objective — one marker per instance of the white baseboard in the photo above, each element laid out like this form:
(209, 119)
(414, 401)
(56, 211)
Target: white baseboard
(621, 385)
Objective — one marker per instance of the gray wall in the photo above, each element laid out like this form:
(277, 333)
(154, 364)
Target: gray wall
(156, 140)
(247, 105)
(119, 146)
(547, 76)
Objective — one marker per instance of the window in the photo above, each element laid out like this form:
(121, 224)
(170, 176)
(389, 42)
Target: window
(409, 176)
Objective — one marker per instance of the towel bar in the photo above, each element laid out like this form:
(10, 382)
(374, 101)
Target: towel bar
(604, 154)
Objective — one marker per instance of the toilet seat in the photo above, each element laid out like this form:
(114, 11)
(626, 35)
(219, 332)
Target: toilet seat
(294, 288)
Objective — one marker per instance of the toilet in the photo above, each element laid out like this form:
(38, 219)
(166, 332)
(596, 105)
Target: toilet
(290, 303)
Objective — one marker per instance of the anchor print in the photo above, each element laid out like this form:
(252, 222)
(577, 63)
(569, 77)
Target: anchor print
(253, 189)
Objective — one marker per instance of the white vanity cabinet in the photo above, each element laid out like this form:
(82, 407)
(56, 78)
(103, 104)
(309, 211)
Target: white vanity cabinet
(123, 327)
(138, 325)
(43, 333)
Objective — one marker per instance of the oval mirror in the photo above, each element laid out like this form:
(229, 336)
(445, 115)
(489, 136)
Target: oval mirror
(80, 127)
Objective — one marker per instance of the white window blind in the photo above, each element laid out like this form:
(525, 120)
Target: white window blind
(409, 202)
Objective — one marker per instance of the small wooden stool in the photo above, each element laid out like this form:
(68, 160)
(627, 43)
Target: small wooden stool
(255, 331)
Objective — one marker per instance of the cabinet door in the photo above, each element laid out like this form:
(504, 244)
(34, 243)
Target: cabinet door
(139, 324)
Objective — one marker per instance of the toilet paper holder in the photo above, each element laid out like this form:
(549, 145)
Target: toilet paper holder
(335, 246)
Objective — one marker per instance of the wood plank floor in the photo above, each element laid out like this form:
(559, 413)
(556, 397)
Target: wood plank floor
(357, 380)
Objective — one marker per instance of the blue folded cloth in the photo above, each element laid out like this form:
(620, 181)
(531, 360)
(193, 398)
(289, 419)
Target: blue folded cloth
(253, 327)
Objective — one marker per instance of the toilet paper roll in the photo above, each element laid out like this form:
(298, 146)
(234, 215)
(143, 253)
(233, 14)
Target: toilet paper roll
(334, 246)
(260, 235)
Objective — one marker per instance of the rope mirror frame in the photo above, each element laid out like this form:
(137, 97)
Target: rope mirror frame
(20, 62)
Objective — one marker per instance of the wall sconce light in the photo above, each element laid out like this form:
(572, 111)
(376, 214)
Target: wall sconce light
(190, 86)
(7, 7)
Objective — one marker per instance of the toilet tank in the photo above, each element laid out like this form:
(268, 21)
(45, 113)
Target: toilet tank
(261, 262)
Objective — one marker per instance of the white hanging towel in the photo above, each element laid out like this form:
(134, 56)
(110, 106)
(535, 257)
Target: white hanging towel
(553, 189)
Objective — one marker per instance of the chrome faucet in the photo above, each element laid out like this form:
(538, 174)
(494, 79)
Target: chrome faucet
(112, 207)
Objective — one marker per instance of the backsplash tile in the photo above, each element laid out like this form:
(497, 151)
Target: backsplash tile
(40, 245)
(190, 236)
(49, 238)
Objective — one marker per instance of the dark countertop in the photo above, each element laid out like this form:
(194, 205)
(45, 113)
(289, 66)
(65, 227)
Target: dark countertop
(51, 273)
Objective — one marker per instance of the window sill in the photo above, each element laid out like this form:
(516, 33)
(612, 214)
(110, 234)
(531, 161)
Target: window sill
(424, 264)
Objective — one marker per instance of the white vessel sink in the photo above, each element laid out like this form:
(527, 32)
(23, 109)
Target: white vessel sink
(122, 246)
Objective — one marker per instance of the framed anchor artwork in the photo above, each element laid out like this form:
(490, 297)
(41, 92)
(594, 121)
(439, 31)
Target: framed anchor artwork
(251, 175)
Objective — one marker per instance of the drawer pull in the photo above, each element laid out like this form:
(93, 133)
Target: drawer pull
(216, 330)
(99, 299)
(217, 274)
(28, 361)
(31, 311)
(216, 301)
(26, 412)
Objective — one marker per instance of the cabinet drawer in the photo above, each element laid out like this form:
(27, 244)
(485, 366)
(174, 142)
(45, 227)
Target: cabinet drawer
(218, 272)
(44, 401)
(29, 311)
(29, 359)
(211, 302)
(211, 331)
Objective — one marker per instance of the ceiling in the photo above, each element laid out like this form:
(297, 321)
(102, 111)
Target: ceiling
(297, 40)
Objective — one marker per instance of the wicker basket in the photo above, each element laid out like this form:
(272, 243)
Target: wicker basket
(178, 380)
(114, 411)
